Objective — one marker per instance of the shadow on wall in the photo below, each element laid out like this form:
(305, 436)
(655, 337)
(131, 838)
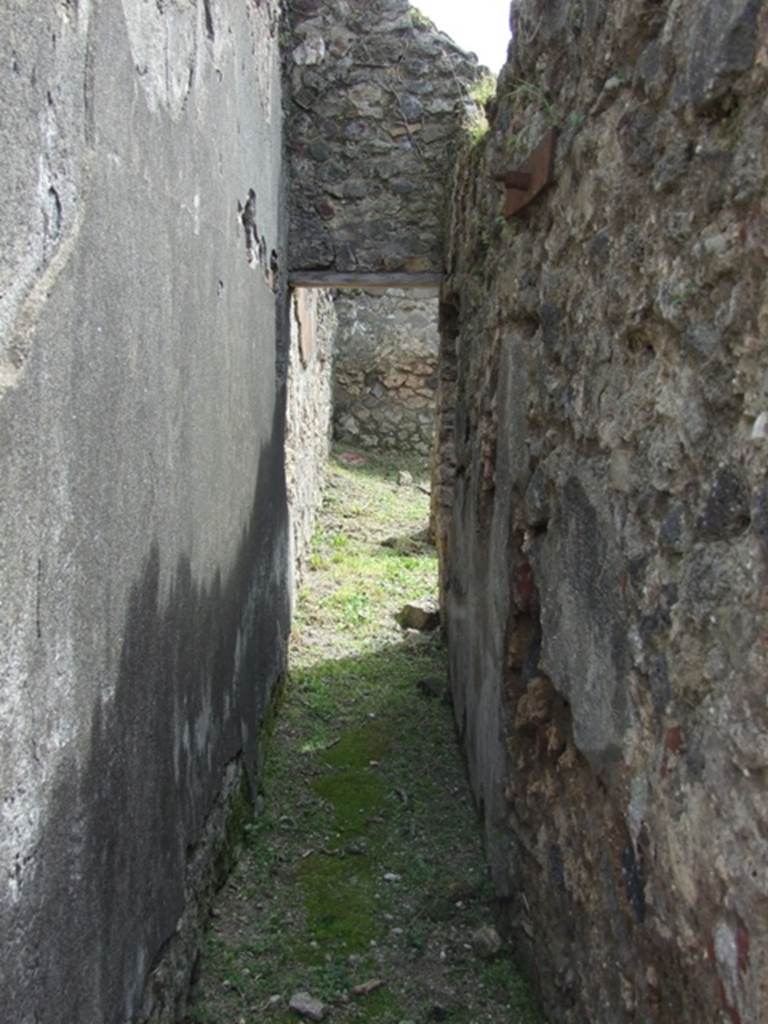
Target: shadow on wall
(123, 853)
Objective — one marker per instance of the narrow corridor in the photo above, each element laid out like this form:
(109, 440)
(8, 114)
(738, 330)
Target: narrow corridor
(362, 882)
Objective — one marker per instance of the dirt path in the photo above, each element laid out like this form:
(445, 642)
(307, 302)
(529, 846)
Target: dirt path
(364, 865)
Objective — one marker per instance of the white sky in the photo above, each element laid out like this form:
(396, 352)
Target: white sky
(478, 25)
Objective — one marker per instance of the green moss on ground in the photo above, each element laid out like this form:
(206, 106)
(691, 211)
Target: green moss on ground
(365, 859)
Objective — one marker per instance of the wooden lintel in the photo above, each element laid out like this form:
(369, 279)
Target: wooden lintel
(336, 279)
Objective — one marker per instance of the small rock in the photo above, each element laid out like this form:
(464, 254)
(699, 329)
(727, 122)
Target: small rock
(310, 52)
(404, 478)
(464, 890)
(486, 942)
(421, 615)
(306, 1006)
(608, 93)
(405, 545)
(352, 459)
(412, 544)
(760, 428)
(390, 876)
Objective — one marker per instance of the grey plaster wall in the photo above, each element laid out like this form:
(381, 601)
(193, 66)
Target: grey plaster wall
(385, 369)
(378, 102)
(601, 506)
(143, 528)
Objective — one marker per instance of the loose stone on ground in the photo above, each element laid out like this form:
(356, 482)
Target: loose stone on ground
(421, 615)
(305, 1006)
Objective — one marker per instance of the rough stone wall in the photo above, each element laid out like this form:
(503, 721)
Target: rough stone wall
(143, 522)
(378, 100)
(385, 369)
(308, 417)
(604, 528)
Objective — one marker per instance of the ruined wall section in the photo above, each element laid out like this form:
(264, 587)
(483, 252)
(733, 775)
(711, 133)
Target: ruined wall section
(603, 505)
(143, 521)
(385, 369)
(378, 99)
(308, 417)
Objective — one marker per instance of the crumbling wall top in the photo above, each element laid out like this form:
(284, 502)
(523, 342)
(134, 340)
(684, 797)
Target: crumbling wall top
(378, 98)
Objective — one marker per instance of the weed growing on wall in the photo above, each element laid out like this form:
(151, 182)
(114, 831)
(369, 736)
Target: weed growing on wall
(480, 93)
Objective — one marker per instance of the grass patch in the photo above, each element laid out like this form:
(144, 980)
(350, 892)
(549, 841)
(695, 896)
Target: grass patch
(341, 910)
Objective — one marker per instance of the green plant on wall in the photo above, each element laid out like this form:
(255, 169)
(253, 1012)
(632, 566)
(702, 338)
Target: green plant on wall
(532, 103)
(420, 20)
(533, 95)
(480, 93)
(483, 90)
(477, 129)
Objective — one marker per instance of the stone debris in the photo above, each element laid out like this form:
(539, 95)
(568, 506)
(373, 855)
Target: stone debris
(408, 545)
(307, 1006)
(760, 427)
(404, 478)
(352, 459)
(486, 942)
(421, 615)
